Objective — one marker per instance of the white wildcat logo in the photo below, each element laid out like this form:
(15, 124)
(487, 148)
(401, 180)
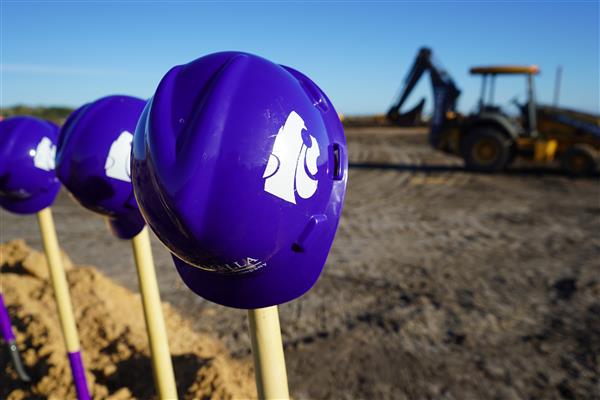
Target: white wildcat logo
(117, 164)
(44, 154)
(293, 163)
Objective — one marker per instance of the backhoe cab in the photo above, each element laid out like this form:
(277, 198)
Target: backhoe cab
(489, 136)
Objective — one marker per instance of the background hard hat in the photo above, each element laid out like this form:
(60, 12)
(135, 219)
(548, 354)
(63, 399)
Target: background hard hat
(93, 160)
(239, 167)
(28, 182)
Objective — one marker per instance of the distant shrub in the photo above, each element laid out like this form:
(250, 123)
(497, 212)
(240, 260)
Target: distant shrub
(58, 115)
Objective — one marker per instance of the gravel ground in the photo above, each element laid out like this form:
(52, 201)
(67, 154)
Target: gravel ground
(441, 283)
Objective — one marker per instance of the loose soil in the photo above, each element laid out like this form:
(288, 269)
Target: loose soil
(113, 339)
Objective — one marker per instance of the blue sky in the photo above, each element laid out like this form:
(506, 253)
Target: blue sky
(69, 52)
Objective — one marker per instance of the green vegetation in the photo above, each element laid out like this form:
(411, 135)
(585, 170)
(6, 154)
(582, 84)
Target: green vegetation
(57, 115)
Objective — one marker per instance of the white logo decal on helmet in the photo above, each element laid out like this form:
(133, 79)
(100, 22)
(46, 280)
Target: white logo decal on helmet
(44, 154)
(292, 164)
(117, 164)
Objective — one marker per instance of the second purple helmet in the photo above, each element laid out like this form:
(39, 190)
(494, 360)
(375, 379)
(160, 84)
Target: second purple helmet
(239, 167)
(28, 182)
(93, 160)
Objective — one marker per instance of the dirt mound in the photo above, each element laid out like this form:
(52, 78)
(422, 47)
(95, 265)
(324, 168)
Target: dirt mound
(113, 339)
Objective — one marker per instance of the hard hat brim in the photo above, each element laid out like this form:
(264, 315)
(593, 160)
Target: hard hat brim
(126, 227)
(32, 204)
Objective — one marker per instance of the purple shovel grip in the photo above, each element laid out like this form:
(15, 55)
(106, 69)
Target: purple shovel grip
(79, 376)
(5, 326)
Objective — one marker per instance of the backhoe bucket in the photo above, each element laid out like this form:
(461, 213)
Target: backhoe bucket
(413, 117)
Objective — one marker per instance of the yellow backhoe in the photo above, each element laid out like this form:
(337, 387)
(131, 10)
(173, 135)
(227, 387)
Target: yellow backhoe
(490, 139)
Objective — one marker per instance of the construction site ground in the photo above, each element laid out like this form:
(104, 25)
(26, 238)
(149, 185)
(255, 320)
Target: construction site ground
(441, 283)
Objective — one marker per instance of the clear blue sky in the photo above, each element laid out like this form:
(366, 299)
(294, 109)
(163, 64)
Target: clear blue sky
(68, 53)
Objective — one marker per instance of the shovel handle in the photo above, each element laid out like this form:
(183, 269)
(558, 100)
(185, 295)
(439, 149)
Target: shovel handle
(63, 301)
(267, 352)
(162, 366)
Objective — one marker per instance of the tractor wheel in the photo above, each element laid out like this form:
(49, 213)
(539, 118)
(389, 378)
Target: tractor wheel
(487, 150)
(579, 160)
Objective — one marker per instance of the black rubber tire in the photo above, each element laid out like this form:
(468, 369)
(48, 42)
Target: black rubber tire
(487, 149)
(579, 160)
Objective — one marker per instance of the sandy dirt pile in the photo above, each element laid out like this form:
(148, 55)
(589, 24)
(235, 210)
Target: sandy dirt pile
(113, 339)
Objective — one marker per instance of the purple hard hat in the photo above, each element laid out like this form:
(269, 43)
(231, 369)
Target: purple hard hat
(239, 168)
(93, 160)
(28, 182)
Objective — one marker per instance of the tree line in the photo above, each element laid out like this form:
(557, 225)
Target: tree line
(58, 115)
